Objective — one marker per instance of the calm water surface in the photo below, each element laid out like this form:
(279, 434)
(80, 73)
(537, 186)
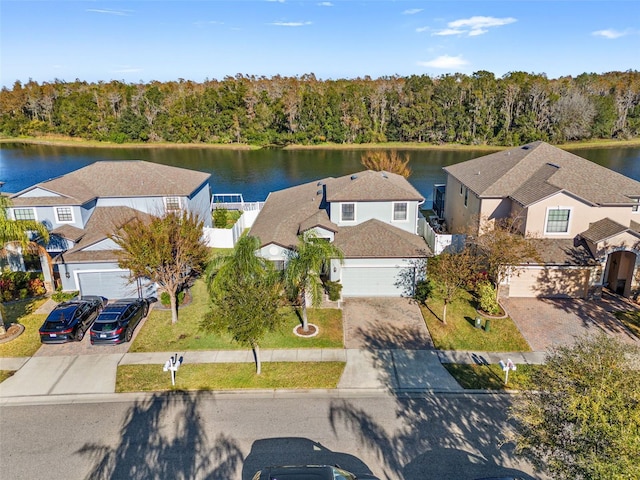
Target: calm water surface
(255, 173)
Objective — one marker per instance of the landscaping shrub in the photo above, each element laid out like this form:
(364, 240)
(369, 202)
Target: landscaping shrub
(60, 296)
(166, 301)
(486, 295)
(423, 291)
(220, 216)
(20, 285)
(333, 289)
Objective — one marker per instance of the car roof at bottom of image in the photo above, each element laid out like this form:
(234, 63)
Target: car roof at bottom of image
(298, 472)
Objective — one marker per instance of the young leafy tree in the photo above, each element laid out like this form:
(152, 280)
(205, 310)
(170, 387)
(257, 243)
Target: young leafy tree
(582, 421)
(451, 274)
(303, 270)
(168, 250)
(245, 293)
(16, 233)
(388, 161)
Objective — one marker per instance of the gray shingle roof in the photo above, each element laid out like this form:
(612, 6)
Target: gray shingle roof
(376, 239)
(520, 170)
(126, 178)
(561, 251)
(602, 230)
(370, 186)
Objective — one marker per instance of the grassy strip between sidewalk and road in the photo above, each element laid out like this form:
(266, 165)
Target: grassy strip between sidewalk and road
(631, 320)
(28, 343)
(460, 332)
(159, 335)
(4, 374)
(491, 377)
(230, 376)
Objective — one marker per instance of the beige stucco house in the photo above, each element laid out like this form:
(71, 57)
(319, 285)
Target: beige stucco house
(583, 217)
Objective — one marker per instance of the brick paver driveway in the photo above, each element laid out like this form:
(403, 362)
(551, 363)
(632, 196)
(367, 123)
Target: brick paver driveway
(549, 322)
(384, 323)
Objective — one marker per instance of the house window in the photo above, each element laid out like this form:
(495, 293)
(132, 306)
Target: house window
(466, 196)
(171, 204)
(64, 215)
(557, 220)
(460, 189)
(348, 212)
(400, 211)
(278, 265)
(24, 214)
(635, 207)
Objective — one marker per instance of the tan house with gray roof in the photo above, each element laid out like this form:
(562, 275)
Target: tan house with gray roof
(371, 216)
(81, 210)
(584, 217)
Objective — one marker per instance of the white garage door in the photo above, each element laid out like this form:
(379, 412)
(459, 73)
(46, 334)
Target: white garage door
(392, 281)
(112, 284)
(550, 282)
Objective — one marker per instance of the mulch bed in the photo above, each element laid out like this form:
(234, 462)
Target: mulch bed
(13, 331)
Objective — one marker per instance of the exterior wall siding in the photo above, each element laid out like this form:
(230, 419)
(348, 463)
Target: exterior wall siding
(382, 211)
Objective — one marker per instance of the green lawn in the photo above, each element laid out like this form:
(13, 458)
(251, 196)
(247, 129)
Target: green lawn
(631, 319)
(28, 342)
(4, 374)
(159, 335)
(491, 377)
(230, 376)
(460, 333)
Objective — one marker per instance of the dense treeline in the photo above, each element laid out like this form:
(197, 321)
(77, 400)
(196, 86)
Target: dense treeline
(475, 109)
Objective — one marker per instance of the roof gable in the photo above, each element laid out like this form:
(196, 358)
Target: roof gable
(370, 186)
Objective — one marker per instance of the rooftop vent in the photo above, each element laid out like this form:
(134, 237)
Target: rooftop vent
(353, 177)
(319, 192)
(526, 147)
(384, 174)
(553, 164)
(320, 183)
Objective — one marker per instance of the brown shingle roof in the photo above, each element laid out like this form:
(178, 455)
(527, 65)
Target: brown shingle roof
(561, 251)
(503, 173)
(603, 229)
(126, 178)
(70, 232)
(104, 221)
(376, 239)
(370, 186)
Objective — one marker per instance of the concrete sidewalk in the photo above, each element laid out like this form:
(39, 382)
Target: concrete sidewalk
(365, 370)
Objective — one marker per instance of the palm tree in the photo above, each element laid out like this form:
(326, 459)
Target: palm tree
(306, 263)
(16, 232)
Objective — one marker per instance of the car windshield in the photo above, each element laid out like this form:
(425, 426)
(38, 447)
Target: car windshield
(104, 326)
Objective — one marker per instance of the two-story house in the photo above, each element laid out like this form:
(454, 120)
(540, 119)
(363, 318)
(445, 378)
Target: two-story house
(584, 218)
(83, 208)
(371, 216)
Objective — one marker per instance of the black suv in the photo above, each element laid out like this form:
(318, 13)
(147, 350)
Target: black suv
(118, 320)
(69, 320)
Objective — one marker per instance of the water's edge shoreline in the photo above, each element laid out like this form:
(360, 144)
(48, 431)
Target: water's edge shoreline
(70, 142)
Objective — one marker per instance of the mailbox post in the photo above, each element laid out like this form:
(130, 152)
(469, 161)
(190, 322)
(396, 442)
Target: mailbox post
(172, 365)
(506, 367)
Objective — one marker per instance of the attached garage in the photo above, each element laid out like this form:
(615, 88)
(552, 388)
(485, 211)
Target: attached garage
(541, 281)
(362, 280)
(112, 284)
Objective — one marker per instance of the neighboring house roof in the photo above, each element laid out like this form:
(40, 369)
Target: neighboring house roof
(376, 239)
(604, 229)
(104, 221)
(536, 170)
(120, 179)
(370, 186)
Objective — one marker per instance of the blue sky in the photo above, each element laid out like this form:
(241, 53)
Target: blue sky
(167, 40)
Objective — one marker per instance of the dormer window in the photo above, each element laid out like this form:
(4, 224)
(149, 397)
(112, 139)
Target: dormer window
(24, 214)
(400, 211)
(172, 204)
(64, 215)
(348, 212)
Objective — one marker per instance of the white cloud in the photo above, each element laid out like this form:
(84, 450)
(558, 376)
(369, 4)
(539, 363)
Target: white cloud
(445, 62)
(422, 29)
(609, 33)
(474, 26)
(120, 13)
(127, 70)
(290, 24)
(412, 11)
(201, 23)
(276, 1)
(325, 4)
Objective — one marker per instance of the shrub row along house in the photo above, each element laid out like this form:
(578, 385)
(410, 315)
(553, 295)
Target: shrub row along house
(584, 219)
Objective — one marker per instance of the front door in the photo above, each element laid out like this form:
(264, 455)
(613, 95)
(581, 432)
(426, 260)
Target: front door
(619, 272)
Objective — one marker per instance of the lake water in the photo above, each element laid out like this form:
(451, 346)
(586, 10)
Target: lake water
(255, 173)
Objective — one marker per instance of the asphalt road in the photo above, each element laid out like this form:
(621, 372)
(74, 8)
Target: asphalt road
(214, 436)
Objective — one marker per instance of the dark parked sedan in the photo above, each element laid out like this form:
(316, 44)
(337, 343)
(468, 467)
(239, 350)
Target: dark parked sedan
(69, 320)
(308, 472)
(118, 320)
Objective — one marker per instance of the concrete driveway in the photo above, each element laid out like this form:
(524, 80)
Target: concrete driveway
(386, 323)
(549, 322)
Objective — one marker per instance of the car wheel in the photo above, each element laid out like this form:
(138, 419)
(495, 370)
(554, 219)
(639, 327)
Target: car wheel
(129, 334)
(79, 335)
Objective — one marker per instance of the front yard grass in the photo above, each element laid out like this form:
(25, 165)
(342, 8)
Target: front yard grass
(159, 335)
(460, 332)
(491, 377)
(21, 311)
(230, 376)
(631, 319)
(4, 374)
